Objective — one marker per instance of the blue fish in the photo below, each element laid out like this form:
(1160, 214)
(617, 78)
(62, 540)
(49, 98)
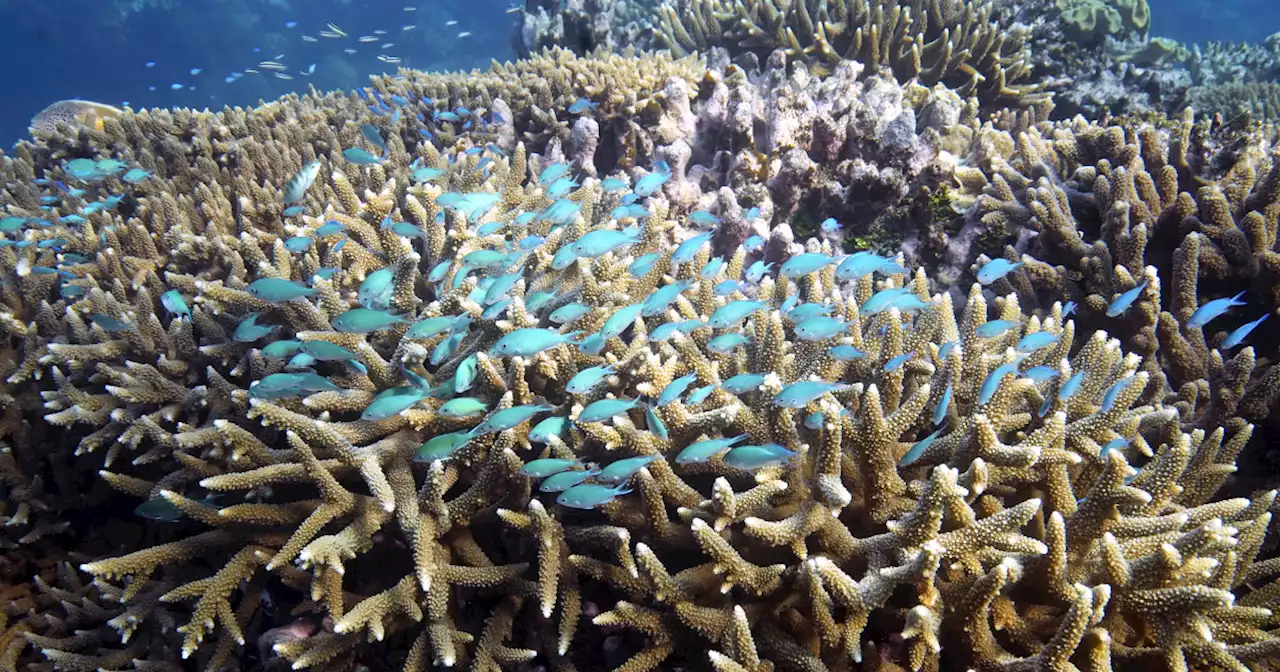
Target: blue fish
(700, 395)
(992, 383)
(897, 362)
(688, 249)
(1242, 332)
(620, 471)
(587, 379)
(655, 423)
(110, 324)
(1109, 398)
(994, 328)
(643, 264)
(1071, 386)
(753, 244)
(726, 287)
(527, 341)
(605, 409)
(830, 225)
(756, 272)
(803, 264)
(249, 330)
(297, 244)
(1118, 443)
(359, 156)
(581, 105)
(920, 446)
(701, 451)
(613, 184)
(1122, 302)
(725, 343)
(743, 383)
(940, 411)
(732, 314)
(278, 290)
(799, 394)
(1213, 309)
(371, 133)
(1040, 374)
(820, 328)
(1036, 341)
(845, 353)
(995, 269)
(590, 495)
(750, 458)
(675, 389)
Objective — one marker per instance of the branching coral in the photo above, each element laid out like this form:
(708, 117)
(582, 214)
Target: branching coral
(949, 41)
(1066, 513)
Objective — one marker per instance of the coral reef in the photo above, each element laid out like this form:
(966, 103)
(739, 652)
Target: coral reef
(1095, 20)
(320, 351)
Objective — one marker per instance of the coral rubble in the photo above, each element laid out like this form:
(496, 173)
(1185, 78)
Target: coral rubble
(327, 414)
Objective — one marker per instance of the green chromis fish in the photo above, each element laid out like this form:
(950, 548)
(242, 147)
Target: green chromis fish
(743, 383)
(599, 242)
(799, 394)
(919, 447)
(465, 375)
(701, 451)
(992, 383)
(463, 407)
(500, 421)
(1124, 300)
(279, 290)
(995, 269)
(282, 385)
(750, 458)
(324, 351)
(547, 466)
(527, 342)
(282, 349)
(375, 290)
(586, 380)
(549, 427)
(569, 313)
(800, 265)
(620, 471)
(656, 303)
(590, 495)
(441, 447)
(655, 424)
(392, 402)
(364, 321)
(430, 326)
(360, 157)
(606, 409)
(110, 324)
(732, 314)
(565, 480)
(249, 330)
(174, 302)
(675, 389)
(620, 320)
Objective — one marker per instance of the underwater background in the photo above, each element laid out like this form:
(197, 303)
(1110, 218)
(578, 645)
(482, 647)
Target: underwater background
(100, 50)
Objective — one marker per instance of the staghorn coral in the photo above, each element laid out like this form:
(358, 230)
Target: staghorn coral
(1015, 540)
(949, 41)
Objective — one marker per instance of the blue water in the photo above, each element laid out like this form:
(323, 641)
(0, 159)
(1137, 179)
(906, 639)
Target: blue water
(56, 49)
(96, 49)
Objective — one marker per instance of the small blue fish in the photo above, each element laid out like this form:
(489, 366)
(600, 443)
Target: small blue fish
(364, 321)
(830, 225)
(1118, 443)
(725, 343)
(845, 353)
(1040, 374)
(995, 269)
(1109, 398)
(508, 418)
(620, 471)
(655, 423)
(431, 326)
(581, 105)
(675, 389)
(732, 314)
(1036, 341)
(249, 330)
(712, 268)
(743, 383)
(883, 300)
(586, 380)
(699, 395)
(392, 402)
(599, 242)
(463, 407)
(552, 173)
(606, 409)
(373, 135)
(565, 480)
(643, 264)
(441, 447)
(174, 302)
(1070, 387)
(1122, 302)
(688, 249)
(807, 311)
(620, 320)
(279, 290)
(561, 187)
(803, 264)
(1242, 332)
(613, 184)
(820, 328)
(1213, 309)
(136, 175)
(940, 411)
(702, 218)
(297, 244)
(376, 289)
(753, 244)
(992, 383)
(945, 349)
(330, 228)
(920, 446)
(547, 466)
(726, 287)
(994, 328)
(897, 362)
(750, 458)
(360, 156)
(756, 272)
(293, 210)
(1068, 309)
(650, 184)
(593, 345)
(527, 342)
(590, 495)
(110, 324)
(549, 427)
(701, 451)
(569, 313)
(657, 303)
(799, 394)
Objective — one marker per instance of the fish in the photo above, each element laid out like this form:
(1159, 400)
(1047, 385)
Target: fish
(820, 328)
(324, 351)
(743, 383)
(657, 302)
(507, 418)
(364, 321)
(945, 349)
(281, 349)
(883, 300)
(561, 187)
(279, 290)
(1213, 309)
(993, 380)
(919, 447)
(620, 320)
(297, 244)
(613, 184)
(581, 105)
(110, 324)
(701, 451)
(655, 423)
(599, 242)
(1040, 374)
(700, 395)
(569, 313)
(529, 341)
(750, 458)
(756, 272)
(1123, 301)
(360, 157)
(940, 411)
(547, 466)
(566, 479)
(1237, 336)
(800, 265)
(800, 393)
(585, 380)
(830, 225)
(725, 343)
(995, 269)
(136, 175)
(688, 249)
(465, 374)
(296, 188)
(702, 218)
(428, 327)
(845, 353)
(1071, 386)
(175, 303)
(391, 402)
(1109, 398)
(588, 495)
(1036, 341)
(248, 330)
(807, 311)
(994, 328)
(753, 244)
(897, 362)
(376, 289)
(373, 135)
(726, 287)
(463, 407)
(606, 409)
(732, 314)
(675, 389)
(620, 471)
(549, 427)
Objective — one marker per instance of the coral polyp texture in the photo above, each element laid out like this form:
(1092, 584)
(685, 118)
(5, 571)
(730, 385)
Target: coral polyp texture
(517, 369)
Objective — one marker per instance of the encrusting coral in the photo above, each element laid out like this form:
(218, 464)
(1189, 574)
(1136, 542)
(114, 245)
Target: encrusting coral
(336, 410)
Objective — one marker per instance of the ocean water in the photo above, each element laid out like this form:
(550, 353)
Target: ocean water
(99, 49)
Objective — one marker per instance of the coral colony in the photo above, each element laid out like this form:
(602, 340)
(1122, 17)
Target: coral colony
(850, 361)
